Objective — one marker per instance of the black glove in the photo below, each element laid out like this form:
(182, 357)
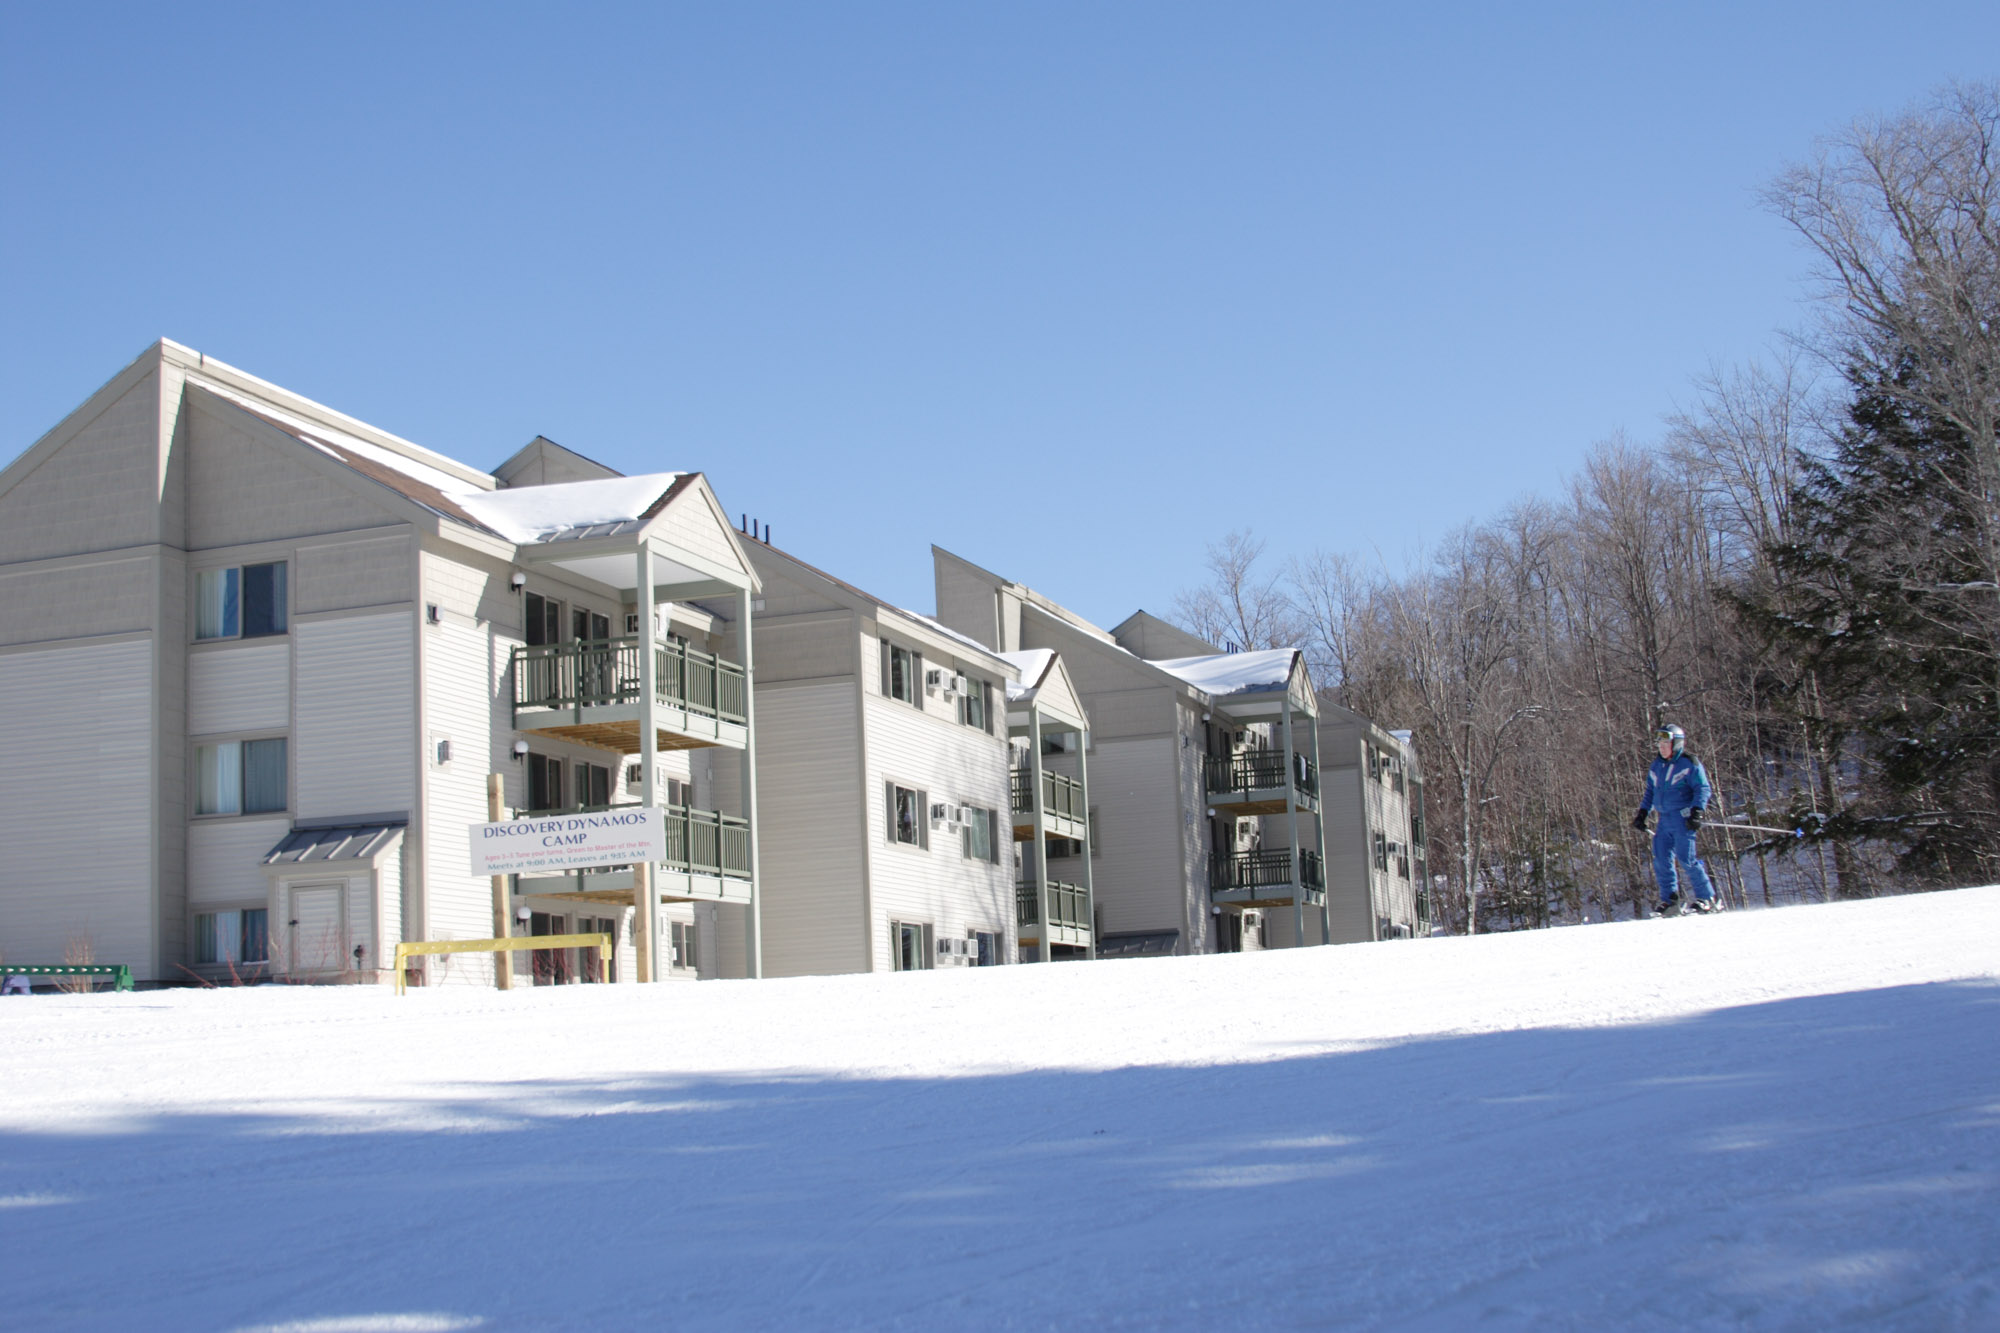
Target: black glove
(1639, 821)
(1693, 818)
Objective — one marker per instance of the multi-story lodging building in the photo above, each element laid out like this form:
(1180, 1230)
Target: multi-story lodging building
(1377, 882)
(1204, 771)
(279, 651)
(277, 657)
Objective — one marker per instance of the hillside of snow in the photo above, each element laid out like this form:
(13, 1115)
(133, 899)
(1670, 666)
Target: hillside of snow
(1766, 1120)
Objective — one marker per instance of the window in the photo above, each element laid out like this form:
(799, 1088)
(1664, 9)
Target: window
(1381, 852)
(593, 784)
(588, 626)
(986, 948)
(545, 782)
(587, 958)
(683, 952)
(544, 620)
(1064, 848)
(240, 777)
(232, 937)
(911, 941)
(982, 838)
(245, 602)
(909, 816)
(903, 674)
(975, 706)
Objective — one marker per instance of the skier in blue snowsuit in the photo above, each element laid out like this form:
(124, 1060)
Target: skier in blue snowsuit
(1677, 787)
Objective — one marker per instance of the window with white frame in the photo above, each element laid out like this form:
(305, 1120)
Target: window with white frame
(975, 705)
(981, 835)
(241, 936)
(684, 952)
(240, 777)
(910, 946)
(909, 816)
(903, 673)
(986, 947)
(242, 602)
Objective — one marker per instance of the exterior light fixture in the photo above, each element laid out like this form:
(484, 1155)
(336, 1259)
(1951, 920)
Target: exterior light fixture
(520, 751)
(518, 581)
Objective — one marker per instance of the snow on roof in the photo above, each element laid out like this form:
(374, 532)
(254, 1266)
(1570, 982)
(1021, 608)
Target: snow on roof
(318, 433)
(528, 514)
(946, 630)
(1033, 664)
(1234, 673)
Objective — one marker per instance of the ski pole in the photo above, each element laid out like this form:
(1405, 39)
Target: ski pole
(1761, 828)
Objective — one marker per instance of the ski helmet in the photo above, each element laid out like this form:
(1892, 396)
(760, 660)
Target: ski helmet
(1672, 734)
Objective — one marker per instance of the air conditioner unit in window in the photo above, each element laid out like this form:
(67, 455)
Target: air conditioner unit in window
(635, 776)
(934, 678)
(960, 685)
(631, 623)
(940, 813)
(961, 814)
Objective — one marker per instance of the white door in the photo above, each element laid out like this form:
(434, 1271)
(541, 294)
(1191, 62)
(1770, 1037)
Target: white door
(318, 928)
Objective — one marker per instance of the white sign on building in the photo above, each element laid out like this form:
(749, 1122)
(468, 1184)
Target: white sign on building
(569, 842)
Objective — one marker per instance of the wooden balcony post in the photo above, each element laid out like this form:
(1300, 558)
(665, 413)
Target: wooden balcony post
(1319, 839)
(503, 961)
(1298, 871)
(1041, 835)
(1089, 840)
(646, 924)
(753, 912)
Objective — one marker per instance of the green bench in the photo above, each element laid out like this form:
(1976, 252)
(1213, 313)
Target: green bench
(121, 975)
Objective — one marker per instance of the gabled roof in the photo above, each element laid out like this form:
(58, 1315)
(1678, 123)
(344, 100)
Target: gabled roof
(870, 601)
(573, 510)
(410, 482)
(1226, 674)
(1033, 664)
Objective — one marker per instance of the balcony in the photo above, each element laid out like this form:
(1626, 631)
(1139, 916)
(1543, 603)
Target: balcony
(1063, 814)
(708, 860)
(588, 693)
(1068, 913)
(1252, 782)
(1267, 879)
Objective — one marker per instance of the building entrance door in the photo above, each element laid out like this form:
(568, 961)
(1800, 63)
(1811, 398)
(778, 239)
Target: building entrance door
(317, 927)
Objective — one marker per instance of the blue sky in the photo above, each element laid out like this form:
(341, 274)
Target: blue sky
(1072, 290)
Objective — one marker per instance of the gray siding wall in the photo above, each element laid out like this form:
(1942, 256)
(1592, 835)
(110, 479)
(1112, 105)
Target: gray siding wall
(237, 687)
(357, 679)
(1137, 875)
(953, 764)
(225, 860)
(248, 482)
(367, 569)
(77, 598)
(808, 798)
(77, 729)
(100, 489)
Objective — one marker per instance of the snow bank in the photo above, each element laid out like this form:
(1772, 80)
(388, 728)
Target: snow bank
(1784, 1119)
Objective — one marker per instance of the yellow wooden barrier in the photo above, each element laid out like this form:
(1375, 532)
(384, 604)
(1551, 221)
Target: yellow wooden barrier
(599, 941)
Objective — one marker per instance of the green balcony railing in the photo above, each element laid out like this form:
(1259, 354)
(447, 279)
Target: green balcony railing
(1068, 905)
(1060, 795)
(1260, 770)
(1267, 870)
(701, 842)
(590, 674)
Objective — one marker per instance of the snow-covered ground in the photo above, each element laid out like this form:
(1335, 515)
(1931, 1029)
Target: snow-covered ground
(1782, 1120)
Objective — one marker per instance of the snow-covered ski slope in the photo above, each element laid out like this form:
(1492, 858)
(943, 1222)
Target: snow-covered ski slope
(1767, 1120)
